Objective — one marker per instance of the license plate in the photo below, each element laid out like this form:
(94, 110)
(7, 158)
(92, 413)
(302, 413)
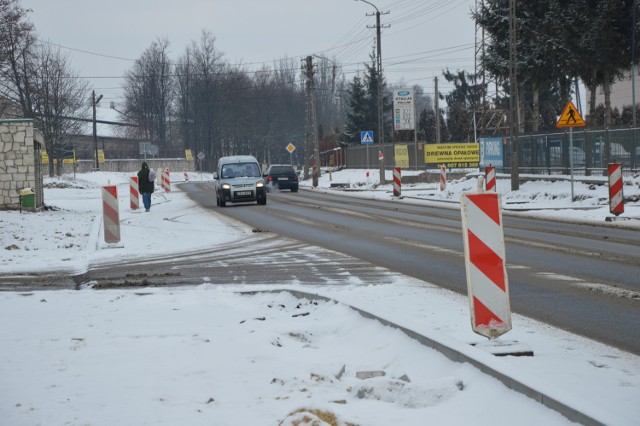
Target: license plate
(283, 178)
(243, 193)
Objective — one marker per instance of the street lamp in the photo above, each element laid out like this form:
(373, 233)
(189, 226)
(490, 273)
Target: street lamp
(380, 112)
(94, 102)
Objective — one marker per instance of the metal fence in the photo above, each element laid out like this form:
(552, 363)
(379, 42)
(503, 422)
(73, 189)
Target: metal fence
(591, 151)
(543, 153)
(363, 157)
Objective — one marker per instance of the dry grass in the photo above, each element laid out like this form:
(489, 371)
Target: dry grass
(325, 416)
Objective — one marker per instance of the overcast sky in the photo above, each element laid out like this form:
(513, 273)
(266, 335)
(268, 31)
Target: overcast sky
(103, 38)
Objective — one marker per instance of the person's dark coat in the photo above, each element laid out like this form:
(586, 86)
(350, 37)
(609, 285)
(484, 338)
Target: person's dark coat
(144, 185)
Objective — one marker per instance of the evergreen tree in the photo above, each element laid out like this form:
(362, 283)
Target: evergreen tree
(356, 120)
(462, 101)
(608, 33)
(362, 113)
(558, 40)
(427, 127)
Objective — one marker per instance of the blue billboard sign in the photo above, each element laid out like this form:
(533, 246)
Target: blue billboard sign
(491, 152)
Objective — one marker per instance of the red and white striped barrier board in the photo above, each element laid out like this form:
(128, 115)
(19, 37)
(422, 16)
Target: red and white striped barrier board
(111, 214)
(485, 264)
(490, 178)
(134, 193)
(616, 197)
(397, 182)
(443, 178)
(165, 180)
(186, 176)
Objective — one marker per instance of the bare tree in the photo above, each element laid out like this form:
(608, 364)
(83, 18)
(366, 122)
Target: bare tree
(17, 45)
(60, 96)
(208, 67)
(184, 108)
(225, 109)
(39, 80)
(149, 92)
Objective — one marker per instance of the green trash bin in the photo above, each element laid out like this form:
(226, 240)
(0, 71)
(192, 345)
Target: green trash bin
(27, 198)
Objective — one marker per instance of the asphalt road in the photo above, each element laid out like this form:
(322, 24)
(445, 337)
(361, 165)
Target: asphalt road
(580, 278)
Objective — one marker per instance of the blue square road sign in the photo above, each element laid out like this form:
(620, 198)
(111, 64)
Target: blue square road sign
(366, 137)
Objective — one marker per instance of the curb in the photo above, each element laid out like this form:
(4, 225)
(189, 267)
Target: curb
(554, 403)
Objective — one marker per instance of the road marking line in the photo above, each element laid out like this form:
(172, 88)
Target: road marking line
(597, 287)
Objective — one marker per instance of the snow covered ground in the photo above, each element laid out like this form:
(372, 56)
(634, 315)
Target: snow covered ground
(209, 355)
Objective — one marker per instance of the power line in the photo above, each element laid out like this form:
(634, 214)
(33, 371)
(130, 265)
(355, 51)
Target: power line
(86, 51)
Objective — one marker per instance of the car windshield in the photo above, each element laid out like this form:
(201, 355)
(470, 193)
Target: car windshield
(240, 170)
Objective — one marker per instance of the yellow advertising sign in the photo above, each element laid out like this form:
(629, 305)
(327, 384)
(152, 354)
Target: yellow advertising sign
(401, 154)
(187, 154)
(453, 155)
(71, 160)
(570, 117)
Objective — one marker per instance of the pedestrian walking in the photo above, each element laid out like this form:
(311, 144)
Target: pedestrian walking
(146, 178)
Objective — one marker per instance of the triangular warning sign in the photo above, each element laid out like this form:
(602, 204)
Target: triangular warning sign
(570, 117)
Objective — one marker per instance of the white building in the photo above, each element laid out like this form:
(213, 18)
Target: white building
(621, 92)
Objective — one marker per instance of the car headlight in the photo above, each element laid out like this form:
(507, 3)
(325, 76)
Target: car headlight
(226, 186)
(259, 184)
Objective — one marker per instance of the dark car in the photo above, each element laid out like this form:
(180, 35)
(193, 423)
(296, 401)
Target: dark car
(281, 176)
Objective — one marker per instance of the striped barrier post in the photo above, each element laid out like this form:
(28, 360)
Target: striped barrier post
(443, 178)
(616, 198)
(186, 176)
(111, 214)
(166, 180)
(134, 193)
(490, 178)
(485, 264)
(397, 182)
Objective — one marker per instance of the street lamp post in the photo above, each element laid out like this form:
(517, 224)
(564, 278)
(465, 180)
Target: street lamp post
(380, 112)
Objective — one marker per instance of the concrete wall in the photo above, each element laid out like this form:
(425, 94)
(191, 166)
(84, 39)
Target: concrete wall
(20, 166)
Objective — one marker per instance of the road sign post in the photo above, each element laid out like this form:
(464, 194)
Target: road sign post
(291, 147)
(200, 158)
(366, 138)
(570, 118)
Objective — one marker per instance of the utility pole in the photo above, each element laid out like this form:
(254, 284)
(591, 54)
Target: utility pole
(94, 101)
(380, 94)
(514, 127)
(633, 69)
(311, 111)
(437, 110)
(633, 79)
(333, 91)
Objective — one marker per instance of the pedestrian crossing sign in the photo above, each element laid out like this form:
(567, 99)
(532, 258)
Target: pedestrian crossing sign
(570, 117)
(366, 137)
